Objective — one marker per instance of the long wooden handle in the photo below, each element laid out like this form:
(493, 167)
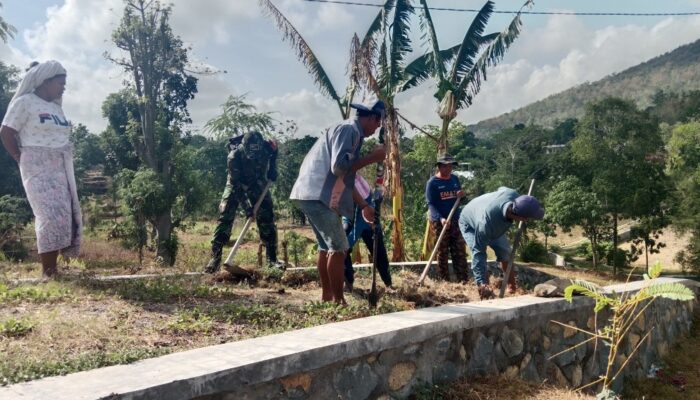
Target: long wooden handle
(249, 222)
(516, 242)
(437, 243)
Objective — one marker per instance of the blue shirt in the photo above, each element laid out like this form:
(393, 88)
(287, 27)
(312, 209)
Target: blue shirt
(441, 195)
(486, 215)
(326, 173)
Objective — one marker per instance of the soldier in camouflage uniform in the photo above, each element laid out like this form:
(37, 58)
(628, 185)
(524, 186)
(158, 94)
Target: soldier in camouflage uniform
(250, 165)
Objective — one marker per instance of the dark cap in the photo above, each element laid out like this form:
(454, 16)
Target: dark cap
(445, 159)
(372, 106)
(528, 207)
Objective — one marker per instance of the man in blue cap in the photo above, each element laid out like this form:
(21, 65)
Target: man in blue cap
(485, 220)
(324, 190)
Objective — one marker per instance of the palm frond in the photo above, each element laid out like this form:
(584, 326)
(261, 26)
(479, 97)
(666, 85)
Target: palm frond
(428, 27)
(303, 51)
(400, 41)
(421, 68)
(6, 30)
(470, 84)
(470, 43)
(354, 72)
(369, 41)
(583, 287)
(672, 291)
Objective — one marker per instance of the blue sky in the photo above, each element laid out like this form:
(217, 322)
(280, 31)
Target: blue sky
(552, 54)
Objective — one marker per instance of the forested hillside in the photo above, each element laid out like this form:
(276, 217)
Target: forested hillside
(676, 71)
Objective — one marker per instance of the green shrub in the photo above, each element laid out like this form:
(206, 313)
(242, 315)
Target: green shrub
(533, 251)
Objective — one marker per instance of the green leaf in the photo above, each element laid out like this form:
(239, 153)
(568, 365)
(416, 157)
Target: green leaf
(470, 43)
(426, 24)
(303, 50)
(400, 45)
(670, 290)
(470, 83)
(655, 270)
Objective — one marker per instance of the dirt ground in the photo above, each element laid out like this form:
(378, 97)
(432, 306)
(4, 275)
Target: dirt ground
(77, 323)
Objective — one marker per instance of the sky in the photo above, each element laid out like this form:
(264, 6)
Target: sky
(553, 53)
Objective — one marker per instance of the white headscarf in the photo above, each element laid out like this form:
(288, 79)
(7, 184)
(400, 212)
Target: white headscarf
(37, 75)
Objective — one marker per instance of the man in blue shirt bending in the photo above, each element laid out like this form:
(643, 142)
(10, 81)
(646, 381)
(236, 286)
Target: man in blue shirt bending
(441, 192)
(485, 221)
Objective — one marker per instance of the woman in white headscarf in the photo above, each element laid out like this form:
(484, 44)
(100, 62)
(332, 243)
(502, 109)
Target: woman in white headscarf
(36, 133)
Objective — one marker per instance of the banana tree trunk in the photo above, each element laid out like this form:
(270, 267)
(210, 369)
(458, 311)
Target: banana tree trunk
(443, 139)
(394, 186)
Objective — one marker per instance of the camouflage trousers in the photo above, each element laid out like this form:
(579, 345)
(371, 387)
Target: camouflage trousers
(452, 245)
(265, 219)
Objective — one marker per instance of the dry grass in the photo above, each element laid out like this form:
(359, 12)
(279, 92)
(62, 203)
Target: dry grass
(75, 324)
(498, 388)
(681, 365)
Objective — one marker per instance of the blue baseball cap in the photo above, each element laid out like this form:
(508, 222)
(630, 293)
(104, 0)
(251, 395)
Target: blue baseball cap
(528, 207)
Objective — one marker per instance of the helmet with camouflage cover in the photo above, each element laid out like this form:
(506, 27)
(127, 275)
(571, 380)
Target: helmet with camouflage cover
(253, 144)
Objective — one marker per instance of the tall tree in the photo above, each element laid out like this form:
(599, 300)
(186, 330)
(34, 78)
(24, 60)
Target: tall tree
(569, 203)
(683, 166)
(383, 54)
(11, 183)
(363, 54)
(6, 30)
(157, 61)
(613, 145)
(459, 71)
(237, 117)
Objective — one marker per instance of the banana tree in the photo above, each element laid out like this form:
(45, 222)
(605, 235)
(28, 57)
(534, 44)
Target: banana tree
(459, 71)
(383, 71)
(313, 65)
(307, 56)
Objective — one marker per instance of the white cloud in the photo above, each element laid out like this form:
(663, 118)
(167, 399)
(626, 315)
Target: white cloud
(312, 112)
(233, 35)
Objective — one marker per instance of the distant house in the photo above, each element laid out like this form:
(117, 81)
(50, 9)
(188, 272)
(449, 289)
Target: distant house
(465, 171)
(553, 148)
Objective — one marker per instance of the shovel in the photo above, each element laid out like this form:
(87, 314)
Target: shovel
(437, 243)
(373, 296)
(228, 264)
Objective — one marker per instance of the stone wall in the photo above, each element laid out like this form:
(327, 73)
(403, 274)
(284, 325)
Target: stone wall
(387, 356)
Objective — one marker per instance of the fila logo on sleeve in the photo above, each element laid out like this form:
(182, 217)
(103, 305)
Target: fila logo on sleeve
(43, 117)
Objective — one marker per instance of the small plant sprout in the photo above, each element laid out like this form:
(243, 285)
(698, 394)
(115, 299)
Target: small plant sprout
(625, 310)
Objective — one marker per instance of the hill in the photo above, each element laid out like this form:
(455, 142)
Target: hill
(675, 71)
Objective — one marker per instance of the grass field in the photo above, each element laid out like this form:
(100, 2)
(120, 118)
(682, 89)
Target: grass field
(77, 323)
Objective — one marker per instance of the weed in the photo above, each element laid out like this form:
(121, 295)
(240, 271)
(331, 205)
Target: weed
(191, 322)
(51, 291)
(161, 290)
(12, 373)
(254, 314)
(16, 327)
(272, 274)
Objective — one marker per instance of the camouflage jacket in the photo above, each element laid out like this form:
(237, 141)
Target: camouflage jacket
(245, 174)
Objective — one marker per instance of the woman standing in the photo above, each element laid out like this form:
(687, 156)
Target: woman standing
(36, 134)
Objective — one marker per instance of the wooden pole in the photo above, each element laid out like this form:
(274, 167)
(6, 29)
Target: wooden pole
(437, 243)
